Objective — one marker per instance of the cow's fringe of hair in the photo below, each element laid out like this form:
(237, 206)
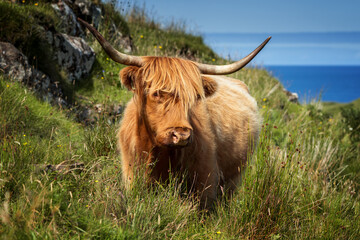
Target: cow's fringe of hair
(177, 77)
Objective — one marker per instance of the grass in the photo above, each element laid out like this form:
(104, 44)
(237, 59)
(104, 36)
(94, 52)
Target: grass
(301, 183)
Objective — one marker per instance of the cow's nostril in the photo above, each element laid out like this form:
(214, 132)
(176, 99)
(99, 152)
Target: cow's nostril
(180, 136)
(186, 131)
(175, 137)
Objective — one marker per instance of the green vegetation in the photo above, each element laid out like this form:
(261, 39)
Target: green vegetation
(334, 108)
(173, 40)
(301, 183)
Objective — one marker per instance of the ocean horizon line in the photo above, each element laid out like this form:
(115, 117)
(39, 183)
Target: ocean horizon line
(307, 65)
(305, 32)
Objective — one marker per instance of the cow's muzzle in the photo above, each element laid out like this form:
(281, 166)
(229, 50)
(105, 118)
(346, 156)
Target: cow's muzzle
(179, 137)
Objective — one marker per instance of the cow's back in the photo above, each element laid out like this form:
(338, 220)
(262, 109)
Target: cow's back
(236, 124)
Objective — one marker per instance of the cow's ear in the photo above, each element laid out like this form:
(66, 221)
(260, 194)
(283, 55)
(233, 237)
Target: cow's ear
(129, 76)
(210, 85)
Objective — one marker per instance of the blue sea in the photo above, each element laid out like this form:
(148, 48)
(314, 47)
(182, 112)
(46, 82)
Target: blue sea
(329, 83)
(315, 65)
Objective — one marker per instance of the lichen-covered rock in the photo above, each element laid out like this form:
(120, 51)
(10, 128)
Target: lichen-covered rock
(68, 19)
(15, 65)
(89, 115)
(49, 91)
(86, 10)
(123, 41)
(74, 55)
(96, 15)
(85, 115)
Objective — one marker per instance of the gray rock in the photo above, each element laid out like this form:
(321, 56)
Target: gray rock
(84, 6)
(92, 13)
(64, 167)
(74, 55)
(117, 110)
(49, 36)
(98, 107)
(68, 19)
(124, 42)
(89, 115)
(86, 10)
(86, 116)
(15, 65)
(49, 90)
(292, 97)
(96, 15)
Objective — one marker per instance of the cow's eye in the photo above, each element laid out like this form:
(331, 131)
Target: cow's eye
(156, 96)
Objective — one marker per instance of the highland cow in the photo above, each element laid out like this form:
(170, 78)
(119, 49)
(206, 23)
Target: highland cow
(183, 118)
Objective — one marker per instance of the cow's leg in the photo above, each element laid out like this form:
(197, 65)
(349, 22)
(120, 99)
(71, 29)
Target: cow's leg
(127, 163)
(204, 179)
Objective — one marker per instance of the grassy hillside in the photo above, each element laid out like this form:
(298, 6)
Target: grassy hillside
(301, 183)
(334, 108)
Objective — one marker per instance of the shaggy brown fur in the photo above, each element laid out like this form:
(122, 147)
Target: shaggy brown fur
(181, 120)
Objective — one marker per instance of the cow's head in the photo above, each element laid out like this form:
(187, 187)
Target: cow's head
(166, 89)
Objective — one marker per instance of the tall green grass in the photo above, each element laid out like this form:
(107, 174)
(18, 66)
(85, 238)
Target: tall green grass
(293, 187)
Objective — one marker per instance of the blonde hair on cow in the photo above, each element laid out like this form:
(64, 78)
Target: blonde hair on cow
(173, 76)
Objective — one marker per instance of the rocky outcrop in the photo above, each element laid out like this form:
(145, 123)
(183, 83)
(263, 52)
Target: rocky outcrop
(68, 19)
(91, 114)
(63, 168)
(123, 41)
(73, 55)
(71, 52)
(92, 13)
(86, 10)
(15, 65)
(292, 97)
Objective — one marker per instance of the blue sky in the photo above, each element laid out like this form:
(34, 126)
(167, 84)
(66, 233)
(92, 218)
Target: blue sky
(269, 17)
(258, 16)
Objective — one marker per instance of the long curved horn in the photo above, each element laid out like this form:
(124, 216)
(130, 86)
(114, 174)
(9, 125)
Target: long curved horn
(111, 51)
(233, 67)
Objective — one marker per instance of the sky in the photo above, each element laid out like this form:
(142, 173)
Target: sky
(216, 20)
(258, 16)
